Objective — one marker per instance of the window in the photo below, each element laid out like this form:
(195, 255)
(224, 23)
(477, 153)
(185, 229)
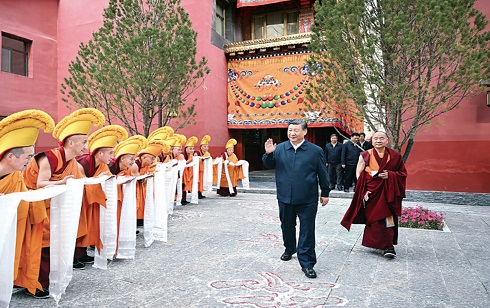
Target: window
(15, 54)
(275, 24)
(220, 19)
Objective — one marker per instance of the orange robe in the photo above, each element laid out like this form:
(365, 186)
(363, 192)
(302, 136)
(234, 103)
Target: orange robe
(10, 183)
(200, 183)
(141, 192)
(93, 198)
(235, 172)
(39, 217)
(187, 178)
(120, 198)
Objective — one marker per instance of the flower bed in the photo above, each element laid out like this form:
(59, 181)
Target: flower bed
(421, 218)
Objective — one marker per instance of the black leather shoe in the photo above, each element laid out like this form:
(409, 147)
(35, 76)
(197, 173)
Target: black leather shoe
(389, 253)
(309, 272)
(286, 256)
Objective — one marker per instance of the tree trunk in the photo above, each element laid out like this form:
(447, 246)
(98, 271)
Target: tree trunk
(408, 149)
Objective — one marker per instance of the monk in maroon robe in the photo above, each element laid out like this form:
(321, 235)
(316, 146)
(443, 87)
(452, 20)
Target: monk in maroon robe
(377, 200)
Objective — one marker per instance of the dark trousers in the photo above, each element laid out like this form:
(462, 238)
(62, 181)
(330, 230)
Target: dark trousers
(349, 175)
(44, 268)
(335, 174)
(306, 241)
(225, 192)
(80, 252)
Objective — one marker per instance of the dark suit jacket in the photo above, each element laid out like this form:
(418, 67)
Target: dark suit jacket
(350, 154)
(333, 154)
(366, 146)
(299, 172)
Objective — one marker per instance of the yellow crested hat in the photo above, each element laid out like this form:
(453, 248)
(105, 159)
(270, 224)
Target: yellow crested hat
(155, 148)
(191, 141)
(106, 137)
(205, 139)
(231, 143)
(176, 140)
(161, 133)
(21, 129)
(78, 122)
(132, 146)
(169, 130)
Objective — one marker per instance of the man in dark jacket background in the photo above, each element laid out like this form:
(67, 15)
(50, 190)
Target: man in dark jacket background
(350, 157)
(333, 155)
(363, 143)
(300, 167)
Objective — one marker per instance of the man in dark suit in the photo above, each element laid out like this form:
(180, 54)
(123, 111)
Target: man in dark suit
(363, 143)
(333, 154)
(300, 167)
(350, 157)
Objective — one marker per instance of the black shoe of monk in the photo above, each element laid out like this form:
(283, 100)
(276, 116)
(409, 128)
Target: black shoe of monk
(39, 294)
(78, 265)
(389, 253)
(87, 260)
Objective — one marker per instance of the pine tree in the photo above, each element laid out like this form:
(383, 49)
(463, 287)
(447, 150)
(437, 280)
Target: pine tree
(140, 66)
(398, 64)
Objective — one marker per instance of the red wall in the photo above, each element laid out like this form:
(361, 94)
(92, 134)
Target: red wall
(34, 20)
(212, 95)
(453, 153)
(74, 28)
(452, 156)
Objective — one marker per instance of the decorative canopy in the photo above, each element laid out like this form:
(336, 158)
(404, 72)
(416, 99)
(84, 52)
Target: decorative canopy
(266, 92)
(243, 3)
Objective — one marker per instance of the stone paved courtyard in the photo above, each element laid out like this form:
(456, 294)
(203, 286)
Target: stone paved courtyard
(225, 252)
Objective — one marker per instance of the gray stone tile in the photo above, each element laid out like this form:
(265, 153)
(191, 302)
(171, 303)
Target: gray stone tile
(225, 252)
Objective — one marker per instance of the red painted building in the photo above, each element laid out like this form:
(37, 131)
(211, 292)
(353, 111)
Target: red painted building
(41, 37)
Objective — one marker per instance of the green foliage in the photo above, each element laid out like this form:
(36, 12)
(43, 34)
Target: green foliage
(139, 64)
(401, 63)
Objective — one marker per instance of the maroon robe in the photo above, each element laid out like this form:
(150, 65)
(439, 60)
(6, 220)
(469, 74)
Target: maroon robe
(385, 200)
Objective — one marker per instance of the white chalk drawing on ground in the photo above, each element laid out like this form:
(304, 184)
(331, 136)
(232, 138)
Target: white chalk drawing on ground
(272, 291)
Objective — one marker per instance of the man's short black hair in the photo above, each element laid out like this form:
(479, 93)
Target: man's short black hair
(301, 122)
(362, 134)
(355, 134)
(333, 135)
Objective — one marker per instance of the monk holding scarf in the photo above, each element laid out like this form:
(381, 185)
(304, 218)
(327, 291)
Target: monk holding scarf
(123, 164)
(18, 134)
(231, 174)
(146, 163)
(203, 152)
(175, 142)
(378, 196)
(55, 167)
(101, 145)
(188, 175)
(162, 133)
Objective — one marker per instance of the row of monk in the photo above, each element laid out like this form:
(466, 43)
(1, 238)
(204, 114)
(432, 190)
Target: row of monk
(65, 199)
